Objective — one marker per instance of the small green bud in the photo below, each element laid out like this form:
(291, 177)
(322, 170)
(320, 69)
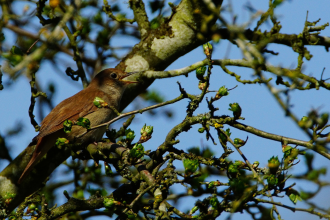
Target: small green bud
(67, 126)
(236, 109)
(239, 163)
(214, 202)
(223, 91)
(147, 130)
(201, 130)
(286, 150)
(272, 180)
(273, 164)
(305, 122)
(61, 141)
(32, 206)
(208, 48)
(200, 71)
(108, 203)
(154, 24)
(137, 151)
(255, 164)
(79, 194)
(213, 184)
(223, 137)
(130, 135)
(190, 166)
(239, 142)
(233, 170)
(83, 122)
(201, 85)
(98, 102)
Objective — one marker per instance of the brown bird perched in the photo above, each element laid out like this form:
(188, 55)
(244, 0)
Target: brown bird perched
(109, 85)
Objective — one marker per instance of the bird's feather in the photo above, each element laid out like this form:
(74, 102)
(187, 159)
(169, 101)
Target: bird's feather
(71, 108)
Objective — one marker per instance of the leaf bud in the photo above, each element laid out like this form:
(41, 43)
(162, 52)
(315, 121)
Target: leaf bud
(273, 164)
(146, 130)
(61, 141)
(83, 122)
(239, 142)
(255, 164)
(236, 109)
(214, 202)
(201, 85)
(130, 135)
(137, 151)
(208, 48)
(108, 203)
(272, 180)
(201, 130)
(67, 126)
(200, 71)
(98, 102)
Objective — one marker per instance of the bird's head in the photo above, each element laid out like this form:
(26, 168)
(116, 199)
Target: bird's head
(112, 79)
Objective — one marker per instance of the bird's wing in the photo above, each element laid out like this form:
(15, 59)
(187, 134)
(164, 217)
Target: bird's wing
(71, 108)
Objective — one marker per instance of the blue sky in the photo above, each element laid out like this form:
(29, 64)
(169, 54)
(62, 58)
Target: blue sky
(259, 107)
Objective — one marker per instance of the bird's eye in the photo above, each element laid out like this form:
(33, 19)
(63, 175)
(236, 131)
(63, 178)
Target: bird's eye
(113, 75)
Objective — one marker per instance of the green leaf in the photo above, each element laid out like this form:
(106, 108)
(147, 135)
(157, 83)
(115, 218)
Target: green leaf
(190, 165)
(294, 195)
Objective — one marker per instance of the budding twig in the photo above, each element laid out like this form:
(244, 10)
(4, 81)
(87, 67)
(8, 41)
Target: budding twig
(134, 112)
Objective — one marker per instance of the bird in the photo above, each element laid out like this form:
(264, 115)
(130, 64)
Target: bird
(109, 85)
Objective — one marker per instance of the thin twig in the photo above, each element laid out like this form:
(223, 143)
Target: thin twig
(134, 112)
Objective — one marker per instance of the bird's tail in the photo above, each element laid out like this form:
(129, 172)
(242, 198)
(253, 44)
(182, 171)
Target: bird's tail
(37, 155)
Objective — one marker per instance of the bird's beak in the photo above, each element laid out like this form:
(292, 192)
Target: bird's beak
(123, 78)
